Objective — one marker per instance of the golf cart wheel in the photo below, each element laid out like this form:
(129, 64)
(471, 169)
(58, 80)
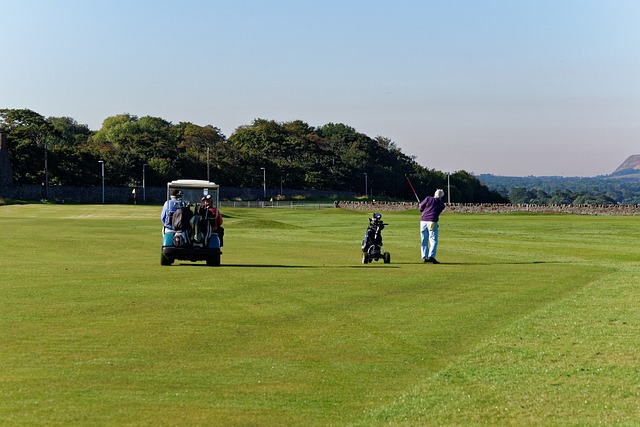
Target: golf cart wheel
(387, 257)
(365, 258)
(213, 261)
(165, 260)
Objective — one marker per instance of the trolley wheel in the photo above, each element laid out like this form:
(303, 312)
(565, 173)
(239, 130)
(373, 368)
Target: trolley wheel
(365, 258)
(387, 257)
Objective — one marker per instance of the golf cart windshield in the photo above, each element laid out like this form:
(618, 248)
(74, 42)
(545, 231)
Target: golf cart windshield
(194, 190)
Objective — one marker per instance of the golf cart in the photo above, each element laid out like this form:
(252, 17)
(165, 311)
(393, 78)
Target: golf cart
(188, 235)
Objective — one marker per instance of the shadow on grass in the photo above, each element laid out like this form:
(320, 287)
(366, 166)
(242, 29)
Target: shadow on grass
(283, 266)
(483, 263)
(393, 265)
(247, 265)
(501, 263)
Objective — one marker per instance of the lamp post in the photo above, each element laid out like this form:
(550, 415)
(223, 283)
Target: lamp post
(46, 169)
(208, 163)
(366, 185)
(102, 165)
(264, 183)
(448, 188)
(144, 182)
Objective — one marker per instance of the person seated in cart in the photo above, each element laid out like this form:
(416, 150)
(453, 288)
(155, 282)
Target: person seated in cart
(170, 206)
(211, 219)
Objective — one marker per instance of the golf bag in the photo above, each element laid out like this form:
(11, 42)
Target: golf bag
(372, 242)
(181, 222)
(208, 219)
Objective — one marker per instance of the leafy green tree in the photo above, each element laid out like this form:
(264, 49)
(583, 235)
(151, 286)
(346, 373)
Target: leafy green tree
(305, 158)
(561, 198)
(586, 198)
(291, 152)
(126, 143)
(28, 134)
(539, 197)
(70, 158)
(519, 195)
(68, 132)
(200, 151)
(350, 151)
(255, 146)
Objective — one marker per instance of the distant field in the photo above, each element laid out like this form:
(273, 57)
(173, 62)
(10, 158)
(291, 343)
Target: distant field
(530, 319)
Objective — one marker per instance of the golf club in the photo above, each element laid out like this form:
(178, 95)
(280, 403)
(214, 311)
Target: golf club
(413, 189)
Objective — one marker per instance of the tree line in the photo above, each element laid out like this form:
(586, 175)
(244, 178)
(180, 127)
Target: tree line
(60, 151)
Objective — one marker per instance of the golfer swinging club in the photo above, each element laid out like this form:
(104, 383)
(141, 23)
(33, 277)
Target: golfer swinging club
(431, 207)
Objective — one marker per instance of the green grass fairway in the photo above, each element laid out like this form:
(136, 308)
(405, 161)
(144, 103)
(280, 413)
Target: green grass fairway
(529, 320)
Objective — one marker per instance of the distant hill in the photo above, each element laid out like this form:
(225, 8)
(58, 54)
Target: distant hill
(630, 168)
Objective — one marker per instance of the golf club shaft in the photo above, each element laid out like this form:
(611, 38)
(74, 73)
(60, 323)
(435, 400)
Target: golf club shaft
(413, 189)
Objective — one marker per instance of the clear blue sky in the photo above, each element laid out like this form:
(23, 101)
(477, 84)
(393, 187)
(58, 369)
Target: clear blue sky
(509, 87)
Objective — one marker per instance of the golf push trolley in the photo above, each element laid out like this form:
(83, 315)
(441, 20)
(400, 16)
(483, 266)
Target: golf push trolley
(372, 242)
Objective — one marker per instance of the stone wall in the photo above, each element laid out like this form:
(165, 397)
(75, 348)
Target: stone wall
(601, 210)
(376, 206)
(480, 208)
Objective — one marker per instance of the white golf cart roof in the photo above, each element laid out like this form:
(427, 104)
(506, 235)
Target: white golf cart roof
(192, 183)
(194, 189)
